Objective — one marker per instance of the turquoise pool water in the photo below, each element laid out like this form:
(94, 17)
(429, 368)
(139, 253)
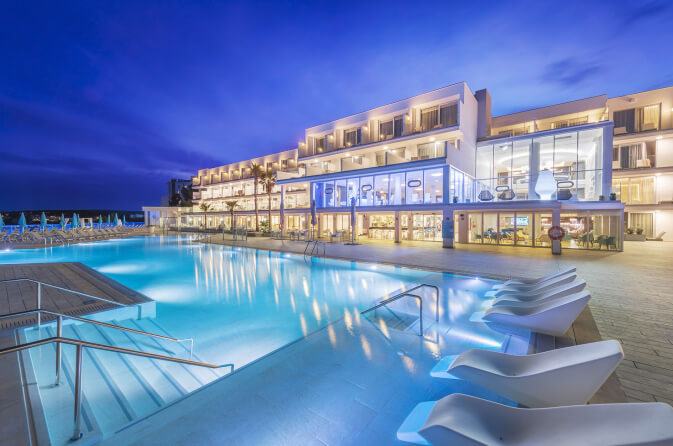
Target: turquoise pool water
(255, 301)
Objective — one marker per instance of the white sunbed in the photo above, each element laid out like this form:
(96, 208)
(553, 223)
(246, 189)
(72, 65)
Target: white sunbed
(522, 298)
(534, 281)
(561, 377)
(552, 317)
(459, 420)
(538, 288)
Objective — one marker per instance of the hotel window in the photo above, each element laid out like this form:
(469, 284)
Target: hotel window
(391, 128)
(353, 137)
(639, 119)
(320, 144)
(430, 150)
(283, 165)
(439, 116)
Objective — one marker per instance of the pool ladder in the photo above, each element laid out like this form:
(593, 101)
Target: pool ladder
(314, 250)
(408, 293)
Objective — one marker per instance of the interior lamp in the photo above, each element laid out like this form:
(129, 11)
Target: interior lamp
(545, 185)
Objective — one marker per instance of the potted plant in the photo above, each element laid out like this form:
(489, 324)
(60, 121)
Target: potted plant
(601, 197)
(455, 199)
(634, 235)
(613, 196)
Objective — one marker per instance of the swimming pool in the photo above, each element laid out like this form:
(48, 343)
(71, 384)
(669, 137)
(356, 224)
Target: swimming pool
(240, 304)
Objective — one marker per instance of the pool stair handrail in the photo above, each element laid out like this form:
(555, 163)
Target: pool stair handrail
(408, 293)
(59, 328)
(80, 344)
(562, 377)
(464, 419)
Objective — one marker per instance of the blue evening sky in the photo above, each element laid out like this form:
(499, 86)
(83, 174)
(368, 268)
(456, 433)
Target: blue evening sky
(102, 102)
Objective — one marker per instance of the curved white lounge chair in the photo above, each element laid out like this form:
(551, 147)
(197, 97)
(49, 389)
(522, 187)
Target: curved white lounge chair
(536, 289)
(560, 377)
(460, 419)
(536, 280)
(559, 291)
(552, 317)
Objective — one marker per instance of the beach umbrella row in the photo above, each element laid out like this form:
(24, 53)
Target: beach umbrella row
(75, 222)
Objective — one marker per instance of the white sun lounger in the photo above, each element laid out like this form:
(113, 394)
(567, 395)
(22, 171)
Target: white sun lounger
(552, 317)
(560, 377)
(536, 280)
(559, 291)
(459, 420)
(535, 289)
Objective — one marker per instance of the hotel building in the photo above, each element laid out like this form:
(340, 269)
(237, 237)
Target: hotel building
(594, 166)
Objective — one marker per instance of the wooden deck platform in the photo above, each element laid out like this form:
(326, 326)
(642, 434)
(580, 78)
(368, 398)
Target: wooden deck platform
(22, 296)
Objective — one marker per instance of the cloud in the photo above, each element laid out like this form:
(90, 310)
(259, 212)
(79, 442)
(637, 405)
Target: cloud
(569, 72)
(645, 12)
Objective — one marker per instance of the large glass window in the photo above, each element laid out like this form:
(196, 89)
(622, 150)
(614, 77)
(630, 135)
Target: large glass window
(490, 234)
(397, 188)
(381, 190)
(544, 146)
(484, 168)
(366, 191)
(341, 193)
(433, 185)
(353, 137)
(353, 188)
(414, 187)
(474, 234)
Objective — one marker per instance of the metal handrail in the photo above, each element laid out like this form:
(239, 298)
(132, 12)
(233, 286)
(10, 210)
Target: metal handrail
(77, 432)
(387, 301)
(408, 293)
(60, 317)
(39, 293)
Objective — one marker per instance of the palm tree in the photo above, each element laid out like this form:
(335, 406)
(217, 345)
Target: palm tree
(269, 181)
(231, 205)
(257, 172)
(205, 207)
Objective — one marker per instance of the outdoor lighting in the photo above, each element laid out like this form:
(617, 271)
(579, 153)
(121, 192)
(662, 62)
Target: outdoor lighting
(385, 147)
(659, 137)
(432, 138)
(545, 185)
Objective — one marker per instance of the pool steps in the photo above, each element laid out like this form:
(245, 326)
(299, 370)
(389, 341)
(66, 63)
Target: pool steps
(117, 388)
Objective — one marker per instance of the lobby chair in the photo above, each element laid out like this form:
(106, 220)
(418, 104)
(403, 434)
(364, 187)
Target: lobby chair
(505, 193)
(552, 317)
(485, 195)
(658, 238)
(459, 419)
(560, 377)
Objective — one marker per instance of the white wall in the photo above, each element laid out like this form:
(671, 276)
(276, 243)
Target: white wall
(664, 187)
(664, 155)
(663, 222)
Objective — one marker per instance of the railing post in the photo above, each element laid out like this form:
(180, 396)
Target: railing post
(39, 303)
(77, 432)
(59, 333)
(421, 314)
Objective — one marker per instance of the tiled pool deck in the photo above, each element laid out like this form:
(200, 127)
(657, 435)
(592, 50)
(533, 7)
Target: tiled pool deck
(315, 391)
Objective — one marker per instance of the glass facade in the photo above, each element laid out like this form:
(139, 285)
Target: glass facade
(507, 170)
(583, 229)
(424, 186)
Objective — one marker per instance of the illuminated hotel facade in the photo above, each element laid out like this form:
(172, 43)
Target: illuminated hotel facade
(441, 156)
